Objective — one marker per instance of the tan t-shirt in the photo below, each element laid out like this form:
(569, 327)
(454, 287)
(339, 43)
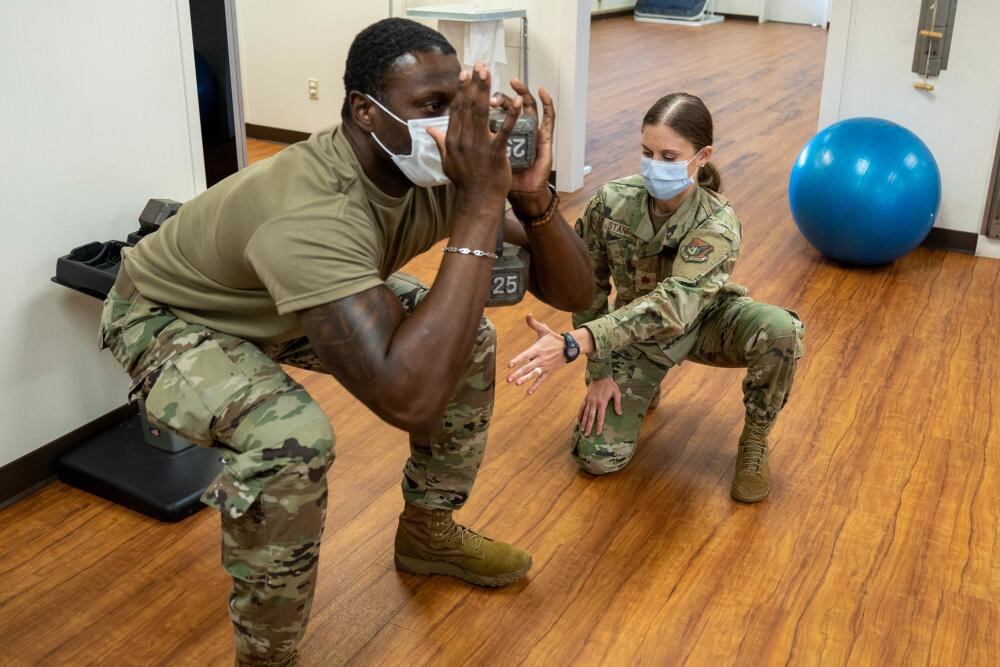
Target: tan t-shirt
(300, 229)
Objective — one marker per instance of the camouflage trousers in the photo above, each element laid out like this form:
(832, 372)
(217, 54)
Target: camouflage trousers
(276, 446)
(737, 333)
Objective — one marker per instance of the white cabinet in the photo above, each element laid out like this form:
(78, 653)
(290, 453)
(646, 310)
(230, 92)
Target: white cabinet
(601, 6)
(742, 7)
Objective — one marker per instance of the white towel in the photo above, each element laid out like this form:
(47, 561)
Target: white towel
(482, 41)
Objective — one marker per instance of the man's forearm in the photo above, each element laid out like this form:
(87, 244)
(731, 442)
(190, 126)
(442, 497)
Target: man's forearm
(433, 344)
(405, 368)
(559, 258)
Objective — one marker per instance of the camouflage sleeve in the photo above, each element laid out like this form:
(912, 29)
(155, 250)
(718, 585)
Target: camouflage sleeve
(589, 229)
(705, 260)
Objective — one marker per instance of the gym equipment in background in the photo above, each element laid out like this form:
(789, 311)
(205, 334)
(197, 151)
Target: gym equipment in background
(865, 191)
(930, 53)
(692, 13)
(165, 477)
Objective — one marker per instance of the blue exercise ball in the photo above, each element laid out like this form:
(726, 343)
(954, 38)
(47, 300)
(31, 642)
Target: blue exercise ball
(865, 191)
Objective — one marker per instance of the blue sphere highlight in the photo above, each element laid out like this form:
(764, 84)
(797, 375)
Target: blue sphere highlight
(865, 191)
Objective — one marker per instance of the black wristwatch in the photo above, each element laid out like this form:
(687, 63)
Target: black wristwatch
(571, 349)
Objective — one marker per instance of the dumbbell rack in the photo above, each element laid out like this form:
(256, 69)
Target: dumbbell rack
(133, 463)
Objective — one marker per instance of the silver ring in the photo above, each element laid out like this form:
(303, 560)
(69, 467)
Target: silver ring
(593, 411)
(538, 371)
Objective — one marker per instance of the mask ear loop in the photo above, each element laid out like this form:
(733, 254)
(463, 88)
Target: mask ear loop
(382, 107)
(699, 153)
(381, 145)
(374, 136)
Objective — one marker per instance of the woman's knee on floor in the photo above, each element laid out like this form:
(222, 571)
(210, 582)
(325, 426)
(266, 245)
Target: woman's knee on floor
(778, 330)
(602, 454)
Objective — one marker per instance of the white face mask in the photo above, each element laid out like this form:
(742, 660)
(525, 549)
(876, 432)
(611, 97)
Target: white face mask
(423, 165)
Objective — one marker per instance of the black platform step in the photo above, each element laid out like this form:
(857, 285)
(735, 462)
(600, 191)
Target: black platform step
(119, 466)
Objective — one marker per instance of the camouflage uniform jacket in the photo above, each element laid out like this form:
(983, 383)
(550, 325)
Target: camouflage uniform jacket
(666, 280)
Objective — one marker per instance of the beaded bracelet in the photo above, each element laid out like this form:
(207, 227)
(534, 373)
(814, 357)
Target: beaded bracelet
(550, 211)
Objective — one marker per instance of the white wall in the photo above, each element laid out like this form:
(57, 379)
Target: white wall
(282, 45)
(869, 55)
(97, 119)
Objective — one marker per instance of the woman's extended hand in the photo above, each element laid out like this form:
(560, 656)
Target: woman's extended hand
(545, 356)
(595, 404)
(538, 361)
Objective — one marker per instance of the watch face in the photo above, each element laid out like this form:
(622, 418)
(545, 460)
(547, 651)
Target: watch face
(571, 350)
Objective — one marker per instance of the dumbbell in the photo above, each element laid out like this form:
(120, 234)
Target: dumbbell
(509, 279)
(521, 142)
(154, 214)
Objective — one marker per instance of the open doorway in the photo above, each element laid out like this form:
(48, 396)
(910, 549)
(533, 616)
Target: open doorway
(220, 98)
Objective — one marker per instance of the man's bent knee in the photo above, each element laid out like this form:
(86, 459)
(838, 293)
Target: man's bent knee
(286, 444)
(487, 331)
(480, 371)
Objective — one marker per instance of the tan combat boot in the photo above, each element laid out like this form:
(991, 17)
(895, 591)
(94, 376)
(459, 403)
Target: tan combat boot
(289, 660)
(430, 542)
(752, 480)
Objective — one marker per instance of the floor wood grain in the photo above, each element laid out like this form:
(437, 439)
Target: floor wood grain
(878, 545)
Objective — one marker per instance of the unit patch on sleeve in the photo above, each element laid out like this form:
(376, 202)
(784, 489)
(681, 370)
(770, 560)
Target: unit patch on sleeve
(697, 251)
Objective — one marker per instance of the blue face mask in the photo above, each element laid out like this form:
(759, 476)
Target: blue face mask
(665, 180)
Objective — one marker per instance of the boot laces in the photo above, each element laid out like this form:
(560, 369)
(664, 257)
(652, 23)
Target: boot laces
(444, 524)
(467, 535)
(754, 446)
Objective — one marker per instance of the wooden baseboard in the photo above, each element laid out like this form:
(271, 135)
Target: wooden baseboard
(739, 17)
(36, 469)
(949, 239)
(275, 134)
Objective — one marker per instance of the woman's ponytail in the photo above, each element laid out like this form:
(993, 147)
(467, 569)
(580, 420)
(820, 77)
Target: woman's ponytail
(710, 178)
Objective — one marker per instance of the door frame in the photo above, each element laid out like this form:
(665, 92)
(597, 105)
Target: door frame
(991, 224)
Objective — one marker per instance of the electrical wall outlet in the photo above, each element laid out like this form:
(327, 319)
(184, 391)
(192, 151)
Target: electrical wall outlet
(314, 89)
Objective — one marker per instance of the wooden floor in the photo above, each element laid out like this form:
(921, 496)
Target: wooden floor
(258, 149)
(878, 545)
